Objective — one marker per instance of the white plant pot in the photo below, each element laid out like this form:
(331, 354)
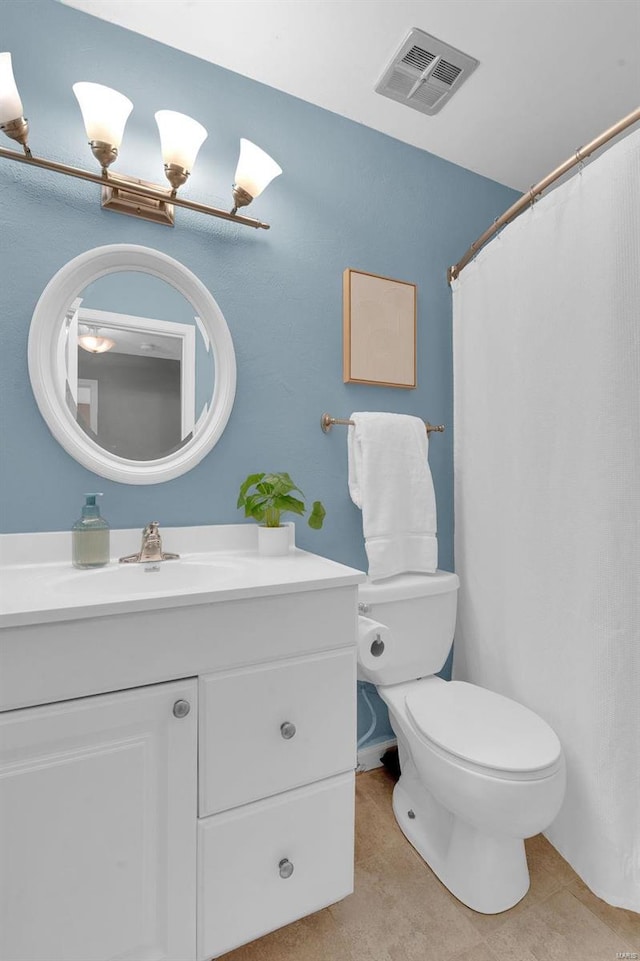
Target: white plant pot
(274, 541)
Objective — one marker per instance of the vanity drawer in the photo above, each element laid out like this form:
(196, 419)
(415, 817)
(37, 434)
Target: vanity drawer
(269, 863)
(275, 727)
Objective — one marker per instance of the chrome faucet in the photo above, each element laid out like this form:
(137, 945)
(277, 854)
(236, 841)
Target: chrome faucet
(151, 549)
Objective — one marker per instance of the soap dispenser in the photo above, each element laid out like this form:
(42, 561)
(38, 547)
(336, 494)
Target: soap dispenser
(90, 536)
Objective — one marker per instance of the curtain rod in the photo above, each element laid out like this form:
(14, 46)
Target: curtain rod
(534, 191)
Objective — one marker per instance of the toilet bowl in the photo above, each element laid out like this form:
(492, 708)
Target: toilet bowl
(479, 772)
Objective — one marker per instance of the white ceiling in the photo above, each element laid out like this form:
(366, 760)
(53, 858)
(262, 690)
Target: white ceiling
(553, 74)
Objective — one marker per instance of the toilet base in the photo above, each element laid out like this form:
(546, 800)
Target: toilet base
(487, 873)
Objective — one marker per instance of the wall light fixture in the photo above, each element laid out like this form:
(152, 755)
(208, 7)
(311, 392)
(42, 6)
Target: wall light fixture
(105, 113)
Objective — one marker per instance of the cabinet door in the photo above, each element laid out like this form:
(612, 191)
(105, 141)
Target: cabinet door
(98, 828)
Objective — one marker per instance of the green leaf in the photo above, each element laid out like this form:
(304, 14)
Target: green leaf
(317, 516)
(288, 503)
(280, 484)
(255, 506)
(288, 484)
(250, 481)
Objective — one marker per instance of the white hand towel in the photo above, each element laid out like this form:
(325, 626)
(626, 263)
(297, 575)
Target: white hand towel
(390, 480)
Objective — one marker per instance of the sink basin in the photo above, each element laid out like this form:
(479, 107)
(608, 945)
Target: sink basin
(136, 580)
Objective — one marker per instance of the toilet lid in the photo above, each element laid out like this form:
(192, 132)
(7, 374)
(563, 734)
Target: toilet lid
(483, 727)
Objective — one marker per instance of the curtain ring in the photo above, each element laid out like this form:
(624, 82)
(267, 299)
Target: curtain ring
(532, 196)
(579, 161)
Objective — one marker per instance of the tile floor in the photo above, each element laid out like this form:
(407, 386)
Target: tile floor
(401, 912)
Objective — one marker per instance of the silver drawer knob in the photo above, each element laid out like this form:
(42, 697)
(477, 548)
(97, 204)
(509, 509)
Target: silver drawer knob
(285, 868)
(287, 730)
(181, 708)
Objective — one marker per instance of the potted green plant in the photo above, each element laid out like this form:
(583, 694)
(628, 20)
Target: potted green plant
(265, 497)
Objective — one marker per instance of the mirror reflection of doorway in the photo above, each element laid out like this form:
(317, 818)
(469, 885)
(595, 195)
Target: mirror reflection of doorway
(148, 373)
(128, 383)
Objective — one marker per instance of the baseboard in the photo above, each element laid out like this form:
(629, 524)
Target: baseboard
(369, 755)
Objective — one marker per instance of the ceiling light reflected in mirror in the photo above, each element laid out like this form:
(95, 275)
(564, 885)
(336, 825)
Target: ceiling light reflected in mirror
(89, 339)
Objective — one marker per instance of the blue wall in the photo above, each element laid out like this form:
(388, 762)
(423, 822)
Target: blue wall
(349, 197)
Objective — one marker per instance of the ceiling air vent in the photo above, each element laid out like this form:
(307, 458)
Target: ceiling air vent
(425, 73)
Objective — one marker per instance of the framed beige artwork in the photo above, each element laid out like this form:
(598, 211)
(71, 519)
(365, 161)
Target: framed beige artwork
(379, 328)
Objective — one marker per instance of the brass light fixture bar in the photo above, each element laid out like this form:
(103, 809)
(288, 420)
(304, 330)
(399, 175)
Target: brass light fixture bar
(140, 199)
(528, 198)
(105, 113)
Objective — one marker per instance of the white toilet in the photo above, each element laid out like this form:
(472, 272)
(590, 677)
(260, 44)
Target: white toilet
(479, 772)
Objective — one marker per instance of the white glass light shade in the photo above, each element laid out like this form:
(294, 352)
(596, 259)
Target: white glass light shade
(255, 169)
(180, 138)
(10, 102)
(94, 343)
(104, 111)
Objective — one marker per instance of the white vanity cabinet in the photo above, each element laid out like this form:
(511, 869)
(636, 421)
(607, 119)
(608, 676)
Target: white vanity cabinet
(176, 773)
(97, 827)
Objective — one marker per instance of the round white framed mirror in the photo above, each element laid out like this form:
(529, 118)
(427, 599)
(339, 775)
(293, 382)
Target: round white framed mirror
(131, 364)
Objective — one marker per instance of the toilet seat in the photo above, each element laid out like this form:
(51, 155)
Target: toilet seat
(484, 730)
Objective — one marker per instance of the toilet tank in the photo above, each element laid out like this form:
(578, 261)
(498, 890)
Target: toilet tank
(419, 612)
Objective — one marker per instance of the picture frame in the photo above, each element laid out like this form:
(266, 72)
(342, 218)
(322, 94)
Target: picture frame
(379, 330)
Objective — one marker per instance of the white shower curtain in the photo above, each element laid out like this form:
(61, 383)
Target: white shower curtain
(547, 467)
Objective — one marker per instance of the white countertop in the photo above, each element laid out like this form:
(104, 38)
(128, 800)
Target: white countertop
(216, 564)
